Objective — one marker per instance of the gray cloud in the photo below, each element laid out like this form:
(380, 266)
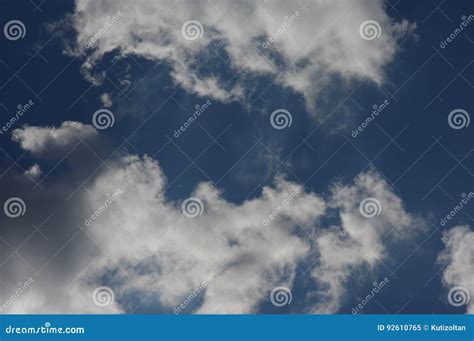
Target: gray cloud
(121, 231)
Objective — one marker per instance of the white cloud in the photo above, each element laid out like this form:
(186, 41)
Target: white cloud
(40, 140)
(151, 252)
(228, 240)
(458, 256)
(106, 100)
(320, 42)
(34, 171)
(359, 242)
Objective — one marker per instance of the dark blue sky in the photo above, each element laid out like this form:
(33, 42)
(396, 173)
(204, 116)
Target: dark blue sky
(427, 163)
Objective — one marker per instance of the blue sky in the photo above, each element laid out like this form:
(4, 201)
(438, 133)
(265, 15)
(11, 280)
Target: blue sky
(151, 77)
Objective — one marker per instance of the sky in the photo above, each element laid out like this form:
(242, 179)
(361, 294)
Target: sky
(236, 157)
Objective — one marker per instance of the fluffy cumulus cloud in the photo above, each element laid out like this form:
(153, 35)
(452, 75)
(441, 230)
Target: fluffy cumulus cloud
(372, 218)
(40, 140)
(302, 45)
(124, 233)
(458, 257)
(34, 171)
